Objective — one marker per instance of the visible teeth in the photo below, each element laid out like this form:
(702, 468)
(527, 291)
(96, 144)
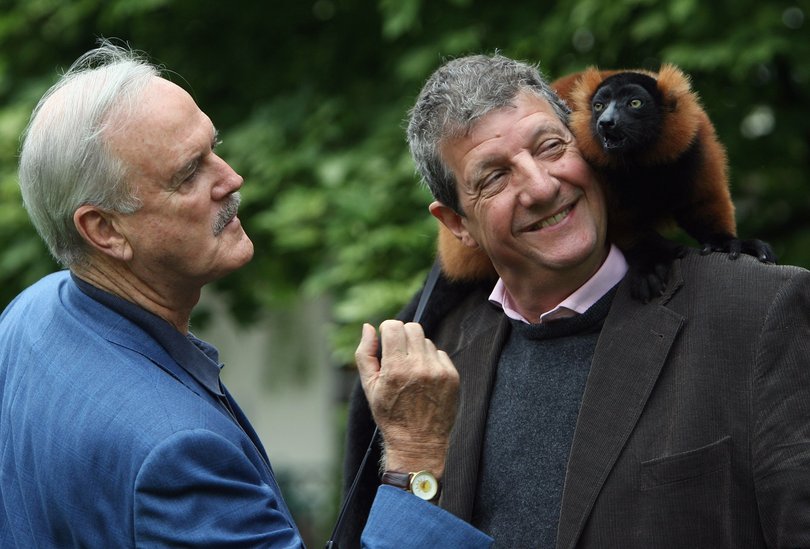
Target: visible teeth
(554, 219)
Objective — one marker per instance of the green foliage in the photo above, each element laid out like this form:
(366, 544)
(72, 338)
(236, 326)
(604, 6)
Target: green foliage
(310, 99)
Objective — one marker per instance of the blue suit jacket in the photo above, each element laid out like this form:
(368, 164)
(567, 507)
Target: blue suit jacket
(106, 441)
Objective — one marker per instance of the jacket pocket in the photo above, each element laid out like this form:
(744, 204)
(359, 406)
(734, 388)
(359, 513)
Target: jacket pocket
(686, 466)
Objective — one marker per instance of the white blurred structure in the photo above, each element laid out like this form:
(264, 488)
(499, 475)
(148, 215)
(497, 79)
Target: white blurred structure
(279, 372)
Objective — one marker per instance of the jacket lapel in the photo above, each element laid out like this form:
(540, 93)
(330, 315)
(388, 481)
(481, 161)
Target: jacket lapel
(126, 334)
(631, 351)
(483, 338)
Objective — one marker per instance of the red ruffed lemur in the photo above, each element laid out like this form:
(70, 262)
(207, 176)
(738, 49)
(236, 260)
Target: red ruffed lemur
(659, 158)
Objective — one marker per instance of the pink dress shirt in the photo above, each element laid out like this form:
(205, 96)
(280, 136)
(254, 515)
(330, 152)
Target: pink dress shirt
(608, 275)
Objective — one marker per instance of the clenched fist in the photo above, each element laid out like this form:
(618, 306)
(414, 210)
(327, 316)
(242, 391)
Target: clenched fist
(412, 392)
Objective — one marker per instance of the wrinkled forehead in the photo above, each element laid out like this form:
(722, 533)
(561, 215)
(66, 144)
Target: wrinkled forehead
(501, 133)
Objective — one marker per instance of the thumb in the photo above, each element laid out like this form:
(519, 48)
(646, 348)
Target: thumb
(366, 354)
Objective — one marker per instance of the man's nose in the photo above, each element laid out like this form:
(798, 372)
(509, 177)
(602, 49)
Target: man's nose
(228, 180)
(537, 184)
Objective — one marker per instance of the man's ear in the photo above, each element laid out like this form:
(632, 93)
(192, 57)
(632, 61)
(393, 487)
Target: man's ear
(100, 229)
(455, 223)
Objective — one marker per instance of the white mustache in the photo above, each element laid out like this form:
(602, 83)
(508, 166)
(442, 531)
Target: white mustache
(228, 212)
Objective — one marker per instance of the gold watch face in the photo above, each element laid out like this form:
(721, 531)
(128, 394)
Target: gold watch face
(424, 485)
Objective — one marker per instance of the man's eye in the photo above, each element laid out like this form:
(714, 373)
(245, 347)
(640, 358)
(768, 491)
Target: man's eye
(192, 175)
(550, 147)
(493, 178)
(492, 183)
(191, 171)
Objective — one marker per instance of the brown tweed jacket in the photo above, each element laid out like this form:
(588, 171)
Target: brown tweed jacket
(694, 429)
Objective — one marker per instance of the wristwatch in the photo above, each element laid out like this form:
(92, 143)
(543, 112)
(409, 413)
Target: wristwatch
(422, 484)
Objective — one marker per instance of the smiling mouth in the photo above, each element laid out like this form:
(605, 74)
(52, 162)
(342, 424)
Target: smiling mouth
(551, 221)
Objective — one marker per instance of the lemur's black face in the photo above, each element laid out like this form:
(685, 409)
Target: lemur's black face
(625, 113)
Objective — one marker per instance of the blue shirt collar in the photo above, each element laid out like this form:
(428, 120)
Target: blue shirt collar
(197, 357)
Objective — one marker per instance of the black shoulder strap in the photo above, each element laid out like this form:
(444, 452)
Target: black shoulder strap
(430, 283)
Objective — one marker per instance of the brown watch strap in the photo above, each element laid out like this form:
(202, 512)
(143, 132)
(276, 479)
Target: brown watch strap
(395, 478)
(423, 484)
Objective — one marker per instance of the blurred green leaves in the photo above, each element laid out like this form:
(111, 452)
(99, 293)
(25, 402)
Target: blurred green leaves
(310, 99)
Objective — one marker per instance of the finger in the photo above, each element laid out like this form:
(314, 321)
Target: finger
(444, 360)
(394, 340)
(430, 346)
(366, 354)
(414, 338)
(438, 357)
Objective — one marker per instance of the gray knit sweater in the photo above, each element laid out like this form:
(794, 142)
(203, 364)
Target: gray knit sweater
(532, 415)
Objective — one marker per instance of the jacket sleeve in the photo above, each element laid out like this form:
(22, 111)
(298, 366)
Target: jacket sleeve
(401, 520)
(198, 489)
(781, 417)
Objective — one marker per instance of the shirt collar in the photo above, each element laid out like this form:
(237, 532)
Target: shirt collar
(609, 274)
(197, 357)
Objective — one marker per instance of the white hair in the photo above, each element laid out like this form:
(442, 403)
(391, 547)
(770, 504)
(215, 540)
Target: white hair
(65, 161)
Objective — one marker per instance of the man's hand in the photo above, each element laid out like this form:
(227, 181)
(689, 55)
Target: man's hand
(413, 394)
